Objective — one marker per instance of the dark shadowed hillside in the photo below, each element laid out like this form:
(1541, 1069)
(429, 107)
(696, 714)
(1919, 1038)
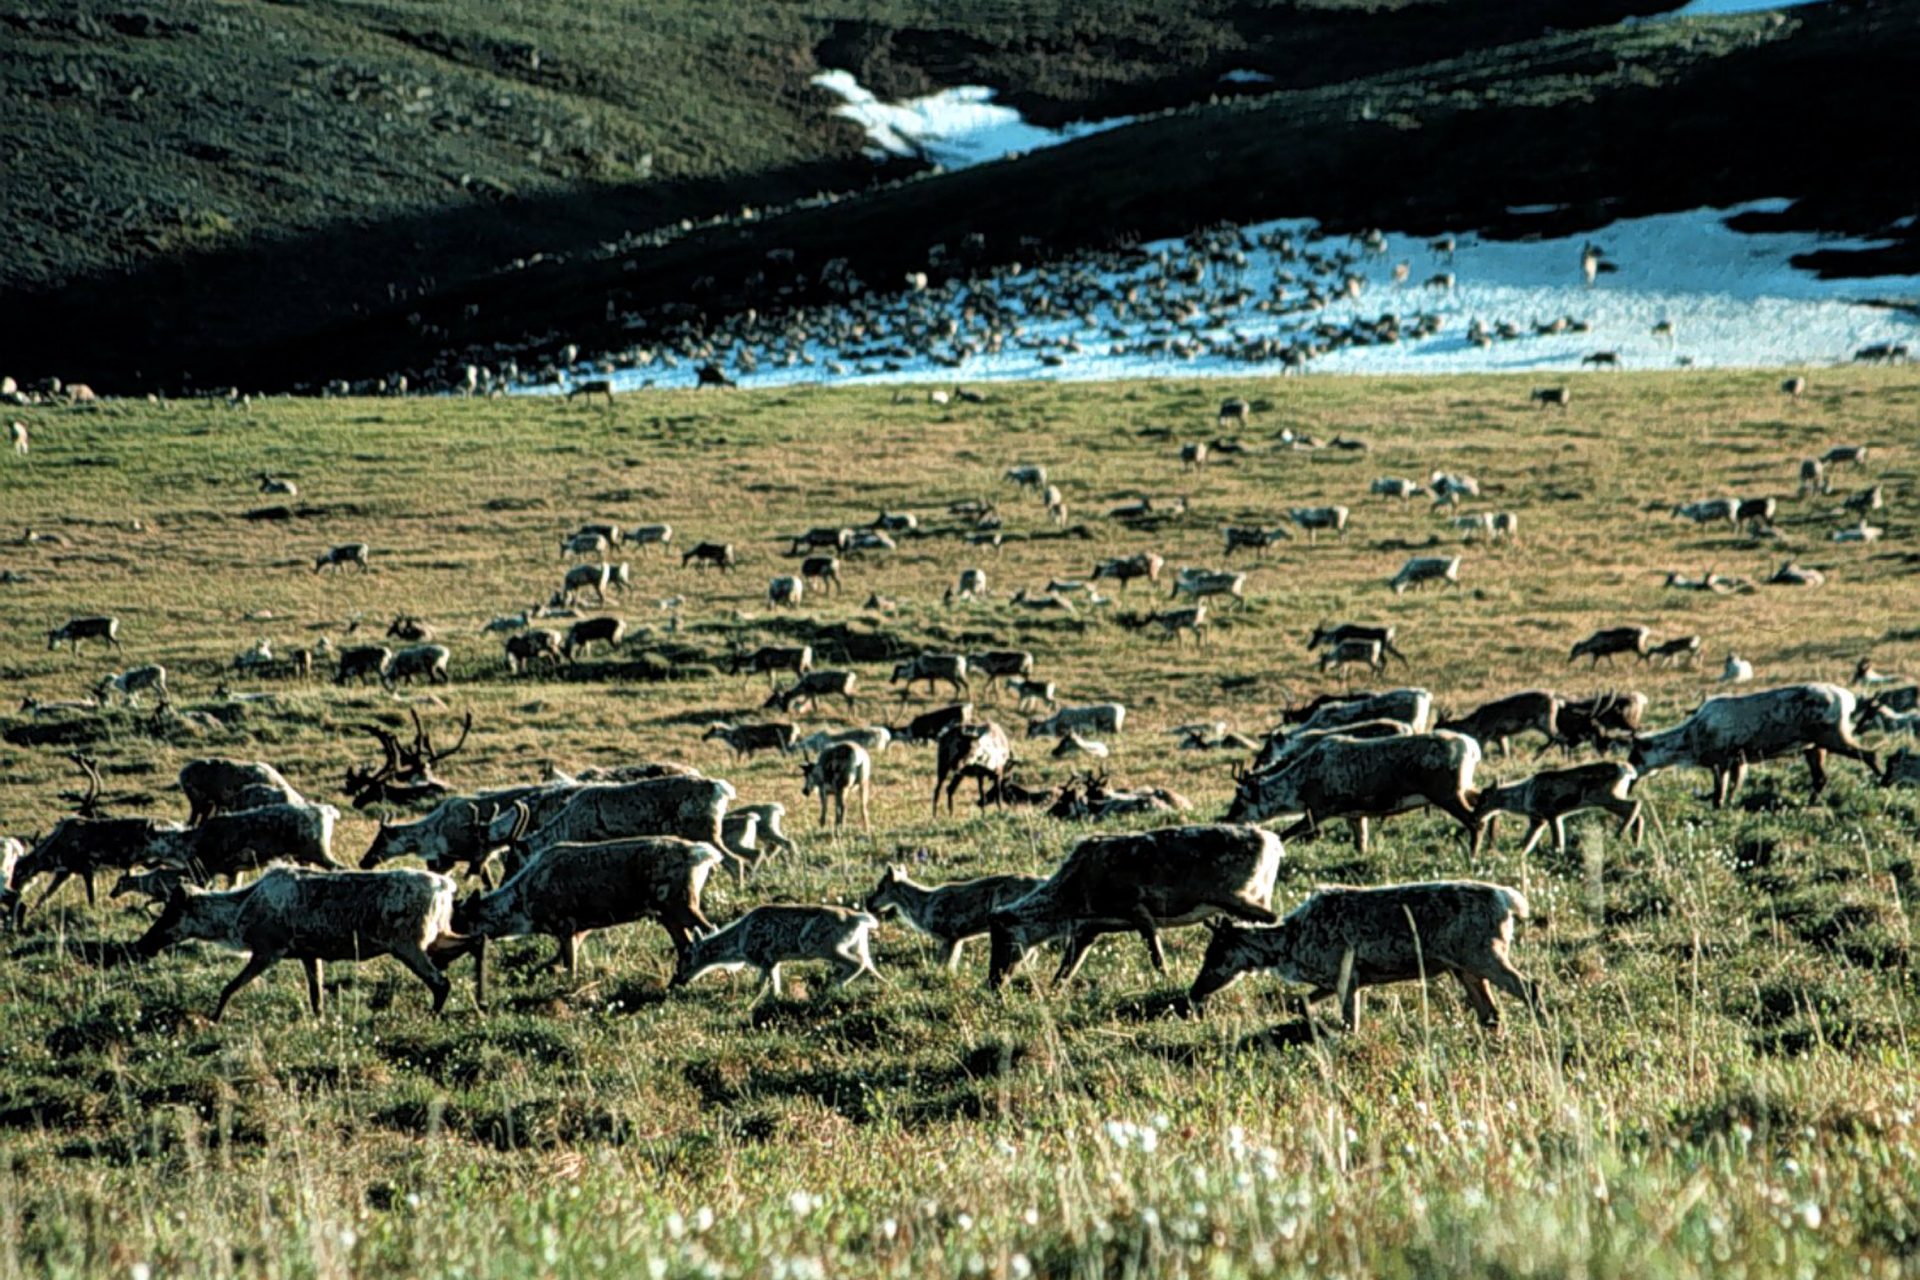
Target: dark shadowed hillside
(214, 175)
(361, 189)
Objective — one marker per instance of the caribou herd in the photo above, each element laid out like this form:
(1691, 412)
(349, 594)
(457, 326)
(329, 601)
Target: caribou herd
(574, 854)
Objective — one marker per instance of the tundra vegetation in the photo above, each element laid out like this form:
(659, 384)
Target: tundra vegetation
(1724, 1074)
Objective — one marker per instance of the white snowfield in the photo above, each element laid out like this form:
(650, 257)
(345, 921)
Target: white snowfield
(955, 127)
(1731, 299)
(1696, 8)
(1674, 290)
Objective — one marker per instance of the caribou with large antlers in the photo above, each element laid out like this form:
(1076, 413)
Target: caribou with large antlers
(406, 775)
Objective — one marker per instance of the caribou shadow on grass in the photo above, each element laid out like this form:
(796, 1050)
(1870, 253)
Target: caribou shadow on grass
(840, 641)
(644, 668)
(95, 953)
(1155, 1006)
(928, 1095)
(532, 1124)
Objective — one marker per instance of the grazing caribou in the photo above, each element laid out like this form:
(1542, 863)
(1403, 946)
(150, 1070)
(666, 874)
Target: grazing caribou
(1140, 883)
(1728, 733)
(1342, 939)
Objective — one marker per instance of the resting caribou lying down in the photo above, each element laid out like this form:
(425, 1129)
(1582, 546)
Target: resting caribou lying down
(405, 774)
(1089, 797)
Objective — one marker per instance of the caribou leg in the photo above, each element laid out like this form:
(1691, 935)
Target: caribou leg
(257, 963)
(316, 984)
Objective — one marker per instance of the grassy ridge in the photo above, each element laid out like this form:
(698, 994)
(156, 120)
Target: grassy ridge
(1726, 1077)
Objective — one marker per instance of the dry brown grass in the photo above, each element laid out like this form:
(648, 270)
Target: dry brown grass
(1747, 971)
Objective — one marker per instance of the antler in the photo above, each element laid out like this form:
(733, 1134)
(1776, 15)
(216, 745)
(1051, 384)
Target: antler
(87, 805)
(389, 745)
(406, 774)
(424, 752)
(363, 782)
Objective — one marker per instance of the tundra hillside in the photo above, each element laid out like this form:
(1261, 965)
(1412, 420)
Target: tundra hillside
(281, 169)
(1724, 1076)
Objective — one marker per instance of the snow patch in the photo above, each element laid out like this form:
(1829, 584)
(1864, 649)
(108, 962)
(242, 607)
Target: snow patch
(1678, 289)
(955, 128)
(1700, 8)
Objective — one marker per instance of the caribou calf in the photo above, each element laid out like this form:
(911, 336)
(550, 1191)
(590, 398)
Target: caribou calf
(767, 937)
(1547, 798)
(1366, 653)
(1000, 664)
(948, 913)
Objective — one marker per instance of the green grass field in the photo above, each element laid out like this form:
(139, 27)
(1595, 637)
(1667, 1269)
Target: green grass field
(1725, 1082)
